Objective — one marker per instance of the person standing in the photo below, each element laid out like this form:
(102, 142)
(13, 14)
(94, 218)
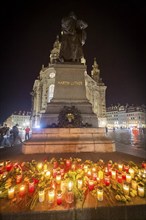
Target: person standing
(16, 136)
(27, 132)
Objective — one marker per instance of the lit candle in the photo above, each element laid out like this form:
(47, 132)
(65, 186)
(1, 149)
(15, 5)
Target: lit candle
(63, 186)
(126, 188)
(79, 183)
(39, 166)
(59, 197)
(113, 174)
(89, 173)
(100, 194)
(22, 190)
(85, 168)
(134, 184)
(119, 177)
(144, 164)
(48, 174)
(1, 169)
(91, 184)
(126, 167)
(110, 164)
(124, 175)
(107, 180)
(94, 176)
(58, 178)
(68, 162)
(9, 165)
(55, 164)
(73, 166)
(106, 170)
(54, 172)
(100, 174)
(131, 171)
(11, 192)
(31, 187)
(41, 195)
(128, 178)
(141, 190)
(70, 185)
(51, 196)
(18, 178)
(120, 167)
(69, 198)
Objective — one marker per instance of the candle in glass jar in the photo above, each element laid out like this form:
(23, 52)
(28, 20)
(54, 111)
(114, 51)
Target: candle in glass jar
(126, 168)
(131, 171)
(91, 184)
(100, 174)
(69, 198)
(41, 195)
(119, 177)
(18, 178)
(68, 162)
(113, 174)
(9, 165)
(39, 166)
(120, 167)
(51, 196)
(79, 183)
(107, 180)
(31, 186)
(59, 197)
(128, 178)
(70, 185)
(100, 194)
(11, 192)
(141, 190)
(58, 178)
(144, 164)
(126, 188)
(48, 174)
(85, 168)
(22, 190)
(134, 184)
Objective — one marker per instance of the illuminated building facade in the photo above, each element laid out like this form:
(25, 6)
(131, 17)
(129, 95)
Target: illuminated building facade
(120, 116)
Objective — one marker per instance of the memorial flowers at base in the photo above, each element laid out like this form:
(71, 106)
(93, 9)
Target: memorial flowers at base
(69, 181)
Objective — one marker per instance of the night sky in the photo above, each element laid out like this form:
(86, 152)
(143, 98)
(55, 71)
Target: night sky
(116, 36)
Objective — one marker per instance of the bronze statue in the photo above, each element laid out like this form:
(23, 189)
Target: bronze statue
(73, 38)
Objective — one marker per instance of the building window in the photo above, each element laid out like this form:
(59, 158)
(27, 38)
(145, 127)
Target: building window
(50, 92)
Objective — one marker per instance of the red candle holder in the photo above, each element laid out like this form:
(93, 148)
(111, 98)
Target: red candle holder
(59, 197)
(107, 180)
(31, 186)
(91, 185)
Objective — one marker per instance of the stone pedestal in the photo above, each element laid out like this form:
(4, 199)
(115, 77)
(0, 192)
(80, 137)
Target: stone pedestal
(61, 140)
(69, 91)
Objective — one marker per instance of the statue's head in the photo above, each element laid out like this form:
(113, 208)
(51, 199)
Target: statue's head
(72, 15)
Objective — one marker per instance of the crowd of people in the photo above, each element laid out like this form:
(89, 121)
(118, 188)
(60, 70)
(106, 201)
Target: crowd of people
(11, 136)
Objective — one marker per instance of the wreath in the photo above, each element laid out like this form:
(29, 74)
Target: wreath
(69, 117)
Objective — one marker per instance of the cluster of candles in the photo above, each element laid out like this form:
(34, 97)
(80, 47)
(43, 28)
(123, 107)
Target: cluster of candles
(97, 176)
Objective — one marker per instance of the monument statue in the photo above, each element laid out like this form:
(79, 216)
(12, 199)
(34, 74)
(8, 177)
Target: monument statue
(73, 38)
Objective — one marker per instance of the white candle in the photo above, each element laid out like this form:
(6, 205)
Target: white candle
(100, 194)
(41, 196)
(51, 195)
(126, 188)
(134, 184)
(11, 191)
(140, 190)
(79, 183)
(128, 178)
